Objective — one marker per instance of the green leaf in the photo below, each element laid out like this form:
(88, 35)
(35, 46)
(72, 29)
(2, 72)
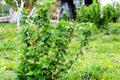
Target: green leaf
(30, 73)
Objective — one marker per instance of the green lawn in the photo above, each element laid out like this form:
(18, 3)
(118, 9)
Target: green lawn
(9, 46)
(101, 59)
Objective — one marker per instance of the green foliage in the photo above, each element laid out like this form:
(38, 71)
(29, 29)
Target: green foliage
(98, 63)
(114, 28)
(89, 14)
(5, 9)
(65, 16)
(31, 2)
(45, 54)
(98, 16)
(108, 12)
(12, 3)
(0, 8)
(101, 59)
(117, 12)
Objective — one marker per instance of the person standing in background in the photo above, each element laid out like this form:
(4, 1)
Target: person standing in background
(72, 9)
(69, 7)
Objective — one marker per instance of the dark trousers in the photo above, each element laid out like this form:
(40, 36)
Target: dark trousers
(72, 11)
(68, 7)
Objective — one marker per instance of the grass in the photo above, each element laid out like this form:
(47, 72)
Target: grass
(8, 51)
(101, 59)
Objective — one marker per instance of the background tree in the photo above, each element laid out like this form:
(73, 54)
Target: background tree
(18, 6)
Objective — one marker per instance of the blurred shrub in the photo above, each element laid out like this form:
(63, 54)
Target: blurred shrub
(90, 14)
(108, 13)
(5, 10)
(114, 28)
(117, 12)
(45, 51)
(65, 16)
(101, 16)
